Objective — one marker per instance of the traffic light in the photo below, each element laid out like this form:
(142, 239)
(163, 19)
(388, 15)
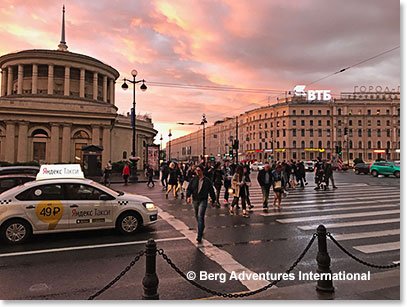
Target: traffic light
(230, 151)
(340, 150)
(345, 131)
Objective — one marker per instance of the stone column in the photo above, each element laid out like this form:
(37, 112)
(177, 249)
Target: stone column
(50, 79)
(111, 86)
(95, 135)
(22, 147)
(54, 144)
(3, 82)
(20, 79)
(67, 81)
(106, 145)
(104, 88)
(34, 87)
(82, 84)
(66, 143)
(95, 86)
(10, 141)
(10, 81)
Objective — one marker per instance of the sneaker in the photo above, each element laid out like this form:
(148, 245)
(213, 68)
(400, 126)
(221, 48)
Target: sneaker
(166, 196)
(199, 239)
(335, 187)
(306, 183)
(316, 189)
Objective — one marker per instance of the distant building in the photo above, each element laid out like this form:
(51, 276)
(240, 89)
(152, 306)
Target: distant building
(294, 128)
(54, 102)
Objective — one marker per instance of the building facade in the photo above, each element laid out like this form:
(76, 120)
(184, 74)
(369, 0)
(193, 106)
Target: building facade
(53, 102)
(359, 125)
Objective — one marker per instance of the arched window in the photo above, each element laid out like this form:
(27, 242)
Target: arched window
(284, 144)
(339, 111)
(379, 144)
(302, 144)
(369, 145)
(81, 135)
(319, 144)
(350, 144)
(294, 144)
(278, 144)
(328, 144)
(388, 144)
(360, 144)
(311, 144)
(39, 133)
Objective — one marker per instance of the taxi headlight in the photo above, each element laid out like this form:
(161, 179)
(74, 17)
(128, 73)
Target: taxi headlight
(149, 206)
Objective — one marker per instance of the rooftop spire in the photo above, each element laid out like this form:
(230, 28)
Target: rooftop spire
(62, 44)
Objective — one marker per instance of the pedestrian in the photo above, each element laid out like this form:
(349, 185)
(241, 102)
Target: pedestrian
(300, 173)
(180, 180)
(149, 175)
(278, 185)
(107, 172)
(208, 171)
(164, 176)
(227, 181)
(239, 191)
(330, 174)
(248, 183)
(292, 170)
(319, 173)
(217, 180)
(265, 181)
(126, 173)
(173, 180)
(199, 188)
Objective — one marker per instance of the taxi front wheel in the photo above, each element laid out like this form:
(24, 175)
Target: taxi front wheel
(129, 223)
(15, 231)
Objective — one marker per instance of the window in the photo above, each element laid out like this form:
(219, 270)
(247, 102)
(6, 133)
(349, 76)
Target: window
(369, 132)
(387, 112)
(369, 112)
(339, 111)
(350, 122)
(294, 155)
(259, 136)
(339, 123)
(311, 122)
(379, 133)
(284, 113)
(278, 124)
(260, 126)
(294, 144)
(379, 144)
(369, 122)
(311, 144)
(265, 134)
(398, 111)
(271, 133)
(319, 132)
(311, 132)
(294, 112)
(303, 155)
(302, 122)
(328, 144)
(265, 125)
(302, 112)
(359, 122)
(43, 192)
(302, 144)
(350, 112)
(328, 112)
(387, 122)
(339, 132)
(378, 122)
(350, 144)
(278, 133)
(328, 122)
(388, 133)
(283, 132)
(369, 145)
(260, 146)
(359, 132)
(77, 191)
(388, 145)
(378, 112)
(360, 144)
(283, 123)
(284, 144)
(294, 122)
(319, 122)
(350, 132)
(369, 156)
(294, 132)
(319, 112)
(311, 112)
(271, 124)
(328, 132)
(319, 144)
(302, 132)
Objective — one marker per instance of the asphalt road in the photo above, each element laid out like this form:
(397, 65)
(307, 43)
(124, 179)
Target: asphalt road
(76, 265)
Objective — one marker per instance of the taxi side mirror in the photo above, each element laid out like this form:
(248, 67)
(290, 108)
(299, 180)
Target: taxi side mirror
(104, 197)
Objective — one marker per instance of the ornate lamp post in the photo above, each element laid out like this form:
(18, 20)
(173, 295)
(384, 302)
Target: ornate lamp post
(169, 146)
(143, 87)
(203, 122)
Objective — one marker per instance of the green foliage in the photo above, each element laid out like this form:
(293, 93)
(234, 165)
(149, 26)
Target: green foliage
(117, 167)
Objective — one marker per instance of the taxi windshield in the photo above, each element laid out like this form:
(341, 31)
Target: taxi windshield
(110, 190)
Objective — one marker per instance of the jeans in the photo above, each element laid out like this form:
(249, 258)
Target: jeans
(227, 186)
(265, 189)
(200, 209)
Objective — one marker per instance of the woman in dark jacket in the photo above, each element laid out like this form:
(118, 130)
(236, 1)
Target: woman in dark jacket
(217, 179)
(247, 184)
(173, 180)
(279, 183)
(239, 191)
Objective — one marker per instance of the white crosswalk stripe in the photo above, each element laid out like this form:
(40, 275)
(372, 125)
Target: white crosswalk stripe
(371, 234)
(376, 248)
(351, 224)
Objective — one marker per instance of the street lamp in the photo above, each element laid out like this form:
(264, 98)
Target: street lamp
(143, 87)
(203, 122)
(169, 146)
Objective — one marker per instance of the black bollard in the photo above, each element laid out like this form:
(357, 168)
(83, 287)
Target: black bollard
(150, 280)
(323, 261)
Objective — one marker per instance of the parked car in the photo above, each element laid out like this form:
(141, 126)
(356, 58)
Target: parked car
(385, 168)
(335, 166)
(10, 181)
(12, 170)
(257, 166)
(309, 166)
(361, 168)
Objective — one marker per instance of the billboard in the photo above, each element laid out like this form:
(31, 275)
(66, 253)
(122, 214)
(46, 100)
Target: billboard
(152, 156)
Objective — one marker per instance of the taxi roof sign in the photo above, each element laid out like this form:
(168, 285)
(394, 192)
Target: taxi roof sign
(58, 171)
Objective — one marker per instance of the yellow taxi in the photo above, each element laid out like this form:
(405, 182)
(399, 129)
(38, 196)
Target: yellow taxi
(61, 200)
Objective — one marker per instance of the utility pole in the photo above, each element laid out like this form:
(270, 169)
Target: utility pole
(237, 140)
(203, 122)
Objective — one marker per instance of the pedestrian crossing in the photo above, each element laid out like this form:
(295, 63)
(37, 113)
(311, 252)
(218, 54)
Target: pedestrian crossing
(365, 218)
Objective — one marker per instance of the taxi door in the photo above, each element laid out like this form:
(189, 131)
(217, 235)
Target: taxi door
(45, 207)
(87, 210)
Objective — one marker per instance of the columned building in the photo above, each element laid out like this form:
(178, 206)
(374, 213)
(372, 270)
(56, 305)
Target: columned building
(53, 102)
(359, 125)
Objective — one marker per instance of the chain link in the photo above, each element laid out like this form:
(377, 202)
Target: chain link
(240, 295)
(390, 266)
(122, 273)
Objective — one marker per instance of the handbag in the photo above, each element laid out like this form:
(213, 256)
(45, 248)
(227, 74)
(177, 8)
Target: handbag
(277, 184)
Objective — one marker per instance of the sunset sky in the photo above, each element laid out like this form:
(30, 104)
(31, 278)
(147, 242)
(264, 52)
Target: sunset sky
(256, 44)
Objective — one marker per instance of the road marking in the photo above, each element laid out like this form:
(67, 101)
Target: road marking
(221, 257)
(362, 235)
(336, 216)
(396, 262)
(376, 248)
(325, 210)
(64, 249)
(351, 224)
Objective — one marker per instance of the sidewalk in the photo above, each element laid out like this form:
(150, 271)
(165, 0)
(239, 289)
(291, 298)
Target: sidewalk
(117, 178)
(381, 286)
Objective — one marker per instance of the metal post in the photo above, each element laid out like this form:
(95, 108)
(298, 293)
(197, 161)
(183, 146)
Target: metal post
(323, 261)
(237, 140)
(150, 280)
(133, 175)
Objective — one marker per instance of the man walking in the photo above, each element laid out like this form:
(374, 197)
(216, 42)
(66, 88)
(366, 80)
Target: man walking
(199, 188)
(329, 174)
(164, 176)
(264, 179)
(227, 182)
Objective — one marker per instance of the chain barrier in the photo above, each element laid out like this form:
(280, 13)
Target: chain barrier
(229, 295)
(360, 260)
(122, 273)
